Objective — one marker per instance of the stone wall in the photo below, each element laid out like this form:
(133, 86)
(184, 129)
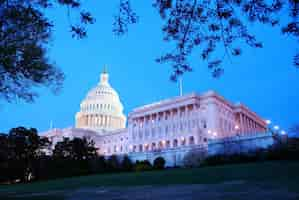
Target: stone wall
(173, 157)
(232, 145)
(240, 144)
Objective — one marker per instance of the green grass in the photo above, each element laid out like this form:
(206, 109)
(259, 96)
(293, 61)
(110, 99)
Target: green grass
(283, 173)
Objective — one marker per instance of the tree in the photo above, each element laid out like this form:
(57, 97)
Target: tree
(193, 26)
(143, 165)
(126, 164)
(159, 163)
(25, 32)
(210, 25)
(18, 152)
(76, 149)
(113, 163)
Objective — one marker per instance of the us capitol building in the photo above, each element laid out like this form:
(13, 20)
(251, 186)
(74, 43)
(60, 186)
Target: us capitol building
(170, 128)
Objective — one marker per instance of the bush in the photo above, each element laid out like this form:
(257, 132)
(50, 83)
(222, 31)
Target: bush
(144, 165)
(97, 165)
(159, 163)
(113, 164)
(126, 164)
(193, 158)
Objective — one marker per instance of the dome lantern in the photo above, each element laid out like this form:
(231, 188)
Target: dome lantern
(104, 77)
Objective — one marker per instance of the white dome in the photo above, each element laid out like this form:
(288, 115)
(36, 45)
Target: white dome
(102, 108)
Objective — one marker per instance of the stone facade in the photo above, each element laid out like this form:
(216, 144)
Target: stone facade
(170, 128)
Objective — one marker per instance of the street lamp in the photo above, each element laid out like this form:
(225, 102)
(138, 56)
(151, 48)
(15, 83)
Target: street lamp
(276, 128)
(283, 132)
(268, 122)
(215, 134)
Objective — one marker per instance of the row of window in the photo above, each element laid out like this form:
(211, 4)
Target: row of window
(165, 130)
(91, 107)
(164, 144)
(116, 140)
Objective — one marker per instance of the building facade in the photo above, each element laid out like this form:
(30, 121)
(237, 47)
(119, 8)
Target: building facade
(169, 128)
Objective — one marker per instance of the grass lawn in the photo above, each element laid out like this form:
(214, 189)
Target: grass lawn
(281, 173)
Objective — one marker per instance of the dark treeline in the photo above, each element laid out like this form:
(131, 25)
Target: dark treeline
(25, 156)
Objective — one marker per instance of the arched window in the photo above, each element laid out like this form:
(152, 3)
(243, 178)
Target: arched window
(204, 123)
(140, 148)
(160, 145)
(191, 140)
(167, 144)
(175, 143)
(146, 147)
(153, 146)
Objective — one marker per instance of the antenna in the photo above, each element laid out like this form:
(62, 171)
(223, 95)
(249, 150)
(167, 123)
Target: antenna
(51, 125)
(181, 85)
(105, 69)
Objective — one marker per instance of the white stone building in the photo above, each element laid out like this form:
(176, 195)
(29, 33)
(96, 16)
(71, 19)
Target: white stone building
(169, 128)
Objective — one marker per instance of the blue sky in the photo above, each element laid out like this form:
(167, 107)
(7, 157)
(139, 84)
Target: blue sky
(264, 79)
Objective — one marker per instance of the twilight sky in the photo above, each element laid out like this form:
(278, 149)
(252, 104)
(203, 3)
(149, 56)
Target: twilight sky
(263, 79)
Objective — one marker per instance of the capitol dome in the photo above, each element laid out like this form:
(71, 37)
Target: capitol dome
(102, 109)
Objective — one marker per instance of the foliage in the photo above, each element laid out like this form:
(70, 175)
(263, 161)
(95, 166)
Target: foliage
(98, 165)
(143, 165)
(25, 32)
(77, 149)
(210, 25)
(125, 17)
(194, 27)
(18, 152)
(194, 158)
(159, 163)
(126, 164)
(113, 163)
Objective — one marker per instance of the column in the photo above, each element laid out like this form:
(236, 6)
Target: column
(85, 120)
(88, 120)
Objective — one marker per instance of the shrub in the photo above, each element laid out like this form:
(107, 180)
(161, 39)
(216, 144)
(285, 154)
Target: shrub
(126, 164)
(144, 165)
(159, 163)
(113, 163)
(193, 158)
(97, 165)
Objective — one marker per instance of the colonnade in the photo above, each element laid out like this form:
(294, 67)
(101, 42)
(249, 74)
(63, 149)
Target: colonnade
(103, 121)
(171, 114)
(248, 125)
